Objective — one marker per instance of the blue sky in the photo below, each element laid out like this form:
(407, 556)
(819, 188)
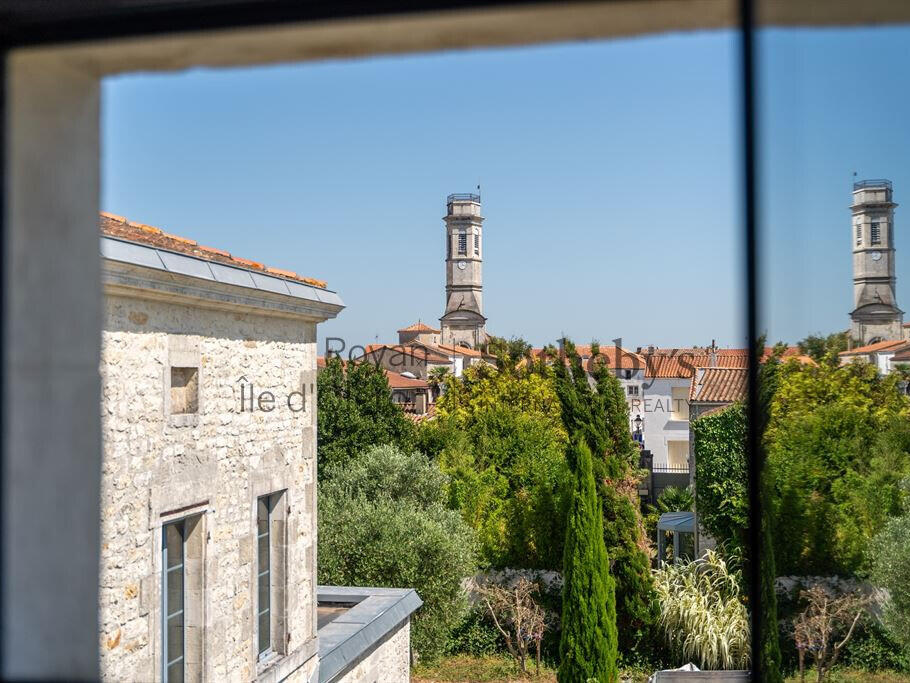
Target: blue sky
(609, 174)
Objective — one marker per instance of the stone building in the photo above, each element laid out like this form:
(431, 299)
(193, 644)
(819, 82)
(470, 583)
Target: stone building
(463, 322)
(208, 499)
(875, 316)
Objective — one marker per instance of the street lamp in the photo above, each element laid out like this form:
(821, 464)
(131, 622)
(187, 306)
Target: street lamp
(637, 432)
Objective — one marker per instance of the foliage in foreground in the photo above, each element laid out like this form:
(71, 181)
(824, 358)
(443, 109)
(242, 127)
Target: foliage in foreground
(588, 646)
(500, 438)
(383, 521)
(356, 412)
(838, 444)
(477, 669)
(824, 628)
(601, 416)
(890, 560)
(702, 613)
(721, 474)
(517, 616)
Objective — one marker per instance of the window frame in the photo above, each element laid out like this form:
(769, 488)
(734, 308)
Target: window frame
(274, 504)
(180, 525)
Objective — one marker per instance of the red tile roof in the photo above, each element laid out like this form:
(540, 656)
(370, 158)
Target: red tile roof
(718, 385)
(121, 228)
(463, 350)
(420, 351)
(892, 345)
(683, 364)
(627, 360)
(419, 327)
(399, 381)
(396, 379)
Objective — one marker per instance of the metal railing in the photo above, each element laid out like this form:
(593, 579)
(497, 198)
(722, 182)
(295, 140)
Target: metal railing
(463, 197)
(866, 184)
(671, 470)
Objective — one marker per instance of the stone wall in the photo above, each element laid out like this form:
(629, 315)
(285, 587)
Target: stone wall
(389, 662)
(158, 467)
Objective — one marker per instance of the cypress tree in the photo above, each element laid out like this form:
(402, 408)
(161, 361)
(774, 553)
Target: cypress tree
(588, 645)
(600, 416)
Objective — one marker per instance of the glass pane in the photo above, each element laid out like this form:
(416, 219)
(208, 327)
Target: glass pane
(264, 592)
(175, 637)
(262, 515)
(264, 632)
(172, 603)
(173, 537)
(833, 234)
(264, 575)
(175, 672)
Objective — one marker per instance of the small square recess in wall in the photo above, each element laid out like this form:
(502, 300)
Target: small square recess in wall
(184, 391)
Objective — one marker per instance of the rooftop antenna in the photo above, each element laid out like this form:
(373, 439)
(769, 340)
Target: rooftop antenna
(478, 190)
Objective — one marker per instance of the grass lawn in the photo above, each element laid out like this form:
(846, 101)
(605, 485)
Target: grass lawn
(467, 669)
(464, 668)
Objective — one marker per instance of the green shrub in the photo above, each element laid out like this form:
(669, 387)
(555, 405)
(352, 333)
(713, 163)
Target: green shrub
(383, 522)
(720, 474)
(874, 649)
(475, 635)
(890, 559)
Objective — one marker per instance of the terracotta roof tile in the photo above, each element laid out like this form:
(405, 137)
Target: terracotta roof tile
(419, 327)
(718, 385)
(213, 250)
(874, 348)
(399, 381)
(420, 352)
(119, 227)
(463, 350)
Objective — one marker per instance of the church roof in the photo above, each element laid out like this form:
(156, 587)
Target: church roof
(419, 327)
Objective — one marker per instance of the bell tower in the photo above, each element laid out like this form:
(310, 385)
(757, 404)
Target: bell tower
(463, 323)
(875, 316)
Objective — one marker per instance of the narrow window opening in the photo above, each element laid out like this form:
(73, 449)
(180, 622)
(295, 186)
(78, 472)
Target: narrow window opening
(265, 575)
(184, 391)
(462, 243)
(859, 233)
(270, 587)
(173, 595)
(876, 234)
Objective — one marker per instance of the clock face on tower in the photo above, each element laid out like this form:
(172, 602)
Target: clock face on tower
(462, 265)
(876, 255)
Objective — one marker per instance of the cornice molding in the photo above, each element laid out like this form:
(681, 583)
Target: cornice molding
(148, 283)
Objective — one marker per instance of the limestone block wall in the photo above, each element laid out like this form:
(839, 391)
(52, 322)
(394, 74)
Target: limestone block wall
(158, 467)
(389, 662)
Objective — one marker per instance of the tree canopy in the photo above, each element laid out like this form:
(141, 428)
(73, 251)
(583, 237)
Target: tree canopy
(356, 412)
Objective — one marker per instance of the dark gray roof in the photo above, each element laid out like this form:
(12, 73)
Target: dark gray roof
(350, 637)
